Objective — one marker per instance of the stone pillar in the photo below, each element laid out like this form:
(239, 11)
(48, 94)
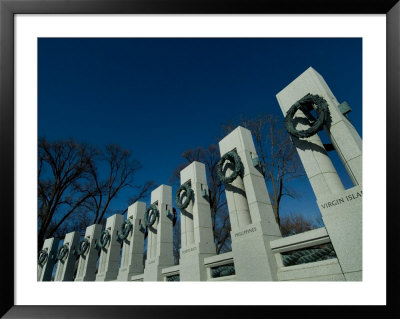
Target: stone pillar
(317, 164)
(197, 239)
(341, 209)
(132, 249)
(345, 139)
(160, 240)
(87, 261)
(250, 211)
(341, 132)
(66, 266)
(109, 255)
(45, 268)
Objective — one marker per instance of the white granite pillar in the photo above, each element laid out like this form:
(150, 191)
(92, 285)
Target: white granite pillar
(88, 259)
(160, 240)
(253, 227)
(66, 265)
(197, 239)
(47, 259)
(344, 137)
(317, 164)
(341, 209)
(187, 226)
(132, 249)
(109, 256)
(235, 194)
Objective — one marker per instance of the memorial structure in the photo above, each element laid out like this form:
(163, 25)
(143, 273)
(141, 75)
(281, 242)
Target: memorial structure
(110, 249)
(341, 209)
(250, 211)
(159, 228)
(197, 239)
(88, 254)
(259, 252)
(66, 257)
(133, 241)
(47, 259)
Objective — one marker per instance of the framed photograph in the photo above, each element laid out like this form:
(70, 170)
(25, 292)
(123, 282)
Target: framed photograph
(82, 44)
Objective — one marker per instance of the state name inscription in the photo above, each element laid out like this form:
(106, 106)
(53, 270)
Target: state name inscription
(342, 200)
(189, 250)
(247, 231)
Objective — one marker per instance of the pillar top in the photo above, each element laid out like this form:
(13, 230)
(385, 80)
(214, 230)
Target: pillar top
(195, 171)
(240, 139)
(162, 193)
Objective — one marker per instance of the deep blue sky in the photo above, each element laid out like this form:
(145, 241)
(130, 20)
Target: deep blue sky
(159, 97)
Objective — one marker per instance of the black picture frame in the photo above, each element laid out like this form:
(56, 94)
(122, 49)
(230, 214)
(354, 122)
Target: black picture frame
(8, 8)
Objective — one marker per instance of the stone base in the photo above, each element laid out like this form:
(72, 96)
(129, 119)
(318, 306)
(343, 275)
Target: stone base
(125, 274)
(152, 271)
(108, 276)
(153, 267)
(192, 263)
(324, 270)
(89, 276)
(342, 216)
(353, 276)
(252, 255)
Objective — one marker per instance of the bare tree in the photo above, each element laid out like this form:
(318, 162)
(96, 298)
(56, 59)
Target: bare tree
(78, 182)
(277, 155)
(297, 223)
(118, 171)
(219, 212)
(62, 182)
